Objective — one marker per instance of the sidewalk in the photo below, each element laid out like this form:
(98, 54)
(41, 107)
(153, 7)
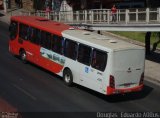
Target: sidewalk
(152, 65)
(5, 17)
(152, 71)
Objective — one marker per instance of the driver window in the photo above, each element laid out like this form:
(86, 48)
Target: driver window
(13, 28)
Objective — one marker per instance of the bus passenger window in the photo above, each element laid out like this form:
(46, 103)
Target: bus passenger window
(29, 30)
(13, 28)
(70, 49)
(34, 35)
(99, 59)
(57, 44)
(45, 40)
(23, 32)
(48, 41)
(43, 37)
(84, 54)
(38, 36)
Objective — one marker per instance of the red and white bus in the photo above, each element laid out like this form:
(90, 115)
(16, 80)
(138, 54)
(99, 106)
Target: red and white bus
(101, 63)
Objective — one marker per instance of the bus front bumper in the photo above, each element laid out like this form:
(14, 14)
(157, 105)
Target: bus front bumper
(111, 91)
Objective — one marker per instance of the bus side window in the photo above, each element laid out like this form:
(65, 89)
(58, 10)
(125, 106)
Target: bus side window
(99, 59)
(23, 32)
(34, 35)
(38, 36)
(13, 28)
(31, 34)
(70, 49)
(48, 40)
(45, 40)
(57, 44)
(29, 31)
(84, 54)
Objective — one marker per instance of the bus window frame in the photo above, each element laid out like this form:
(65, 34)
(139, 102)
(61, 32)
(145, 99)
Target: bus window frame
(82, 55)
(72, 53)
(21, 32)
(93, 61)
(57, 48)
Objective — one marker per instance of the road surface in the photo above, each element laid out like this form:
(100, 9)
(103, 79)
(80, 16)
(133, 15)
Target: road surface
(28, 88)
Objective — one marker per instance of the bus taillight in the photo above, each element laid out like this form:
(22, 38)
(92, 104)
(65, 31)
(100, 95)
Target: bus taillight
(111, 81)
(141, 79)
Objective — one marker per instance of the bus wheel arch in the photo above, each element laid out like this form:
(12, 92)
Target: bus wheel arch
(67, 76)
(23, 55)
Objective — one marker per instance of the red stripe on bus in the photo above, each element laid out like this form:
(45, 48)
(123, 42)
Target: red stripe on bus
(111, 91)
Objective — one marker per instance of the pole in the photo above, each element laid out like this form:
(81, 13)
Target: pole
(147, 42)
(9, 4)
(5, 6)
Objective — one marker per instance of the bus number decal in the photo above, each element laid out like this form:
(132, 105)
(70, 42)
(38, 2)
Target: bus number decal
(52, 56)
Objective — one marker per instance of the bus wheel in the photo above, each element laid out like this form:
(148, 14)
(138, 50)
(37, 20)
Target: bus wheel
(23, 56)
(68, 77)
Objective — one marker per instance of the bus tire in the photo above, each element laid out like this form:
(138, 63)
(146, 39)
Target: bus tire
(23, 56)
(68, 77)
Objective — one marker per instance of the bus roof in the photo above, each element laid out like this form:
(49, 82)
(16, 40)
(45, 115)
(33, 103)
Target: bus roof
(42, 23)
(99, 41)
(86, 37)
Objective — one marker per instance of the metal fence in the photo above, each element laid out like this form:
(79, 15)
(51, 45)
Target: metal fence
(94, 16)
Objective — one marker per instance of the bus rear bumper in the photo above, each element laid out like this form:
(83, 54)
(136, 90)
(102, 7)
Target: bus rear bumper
(111, 91)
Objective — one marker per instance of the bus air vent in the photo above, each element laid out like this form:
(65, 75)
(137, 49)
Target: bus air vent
(102, 38)
(57, 23)
(112, 41)
(71, 28)
(42, 19)
(86, 33)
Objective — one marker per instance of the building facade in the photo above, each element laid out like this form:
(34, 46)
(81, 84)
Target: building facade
(98, 4)
(89, 4)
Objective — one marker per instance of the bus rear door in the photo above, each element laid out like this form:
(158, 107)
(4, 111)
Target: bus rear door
(128, 68)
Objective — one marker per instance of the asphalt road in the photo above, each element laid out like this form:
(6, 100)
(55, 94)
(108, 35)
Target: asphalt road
(29, 88)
